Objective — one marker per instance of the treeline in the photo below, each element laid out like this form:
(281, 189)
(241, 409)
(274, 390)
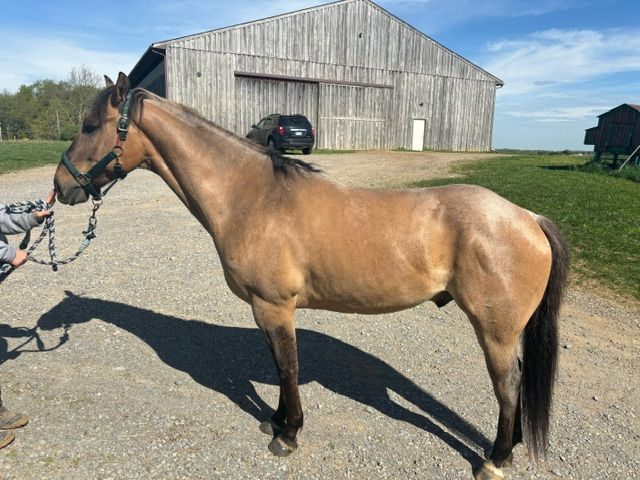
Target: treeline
(49, 110)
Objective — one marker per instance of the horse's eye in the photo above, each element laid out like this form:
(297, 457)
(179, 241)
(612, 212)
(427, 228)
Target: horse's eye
(89, 127)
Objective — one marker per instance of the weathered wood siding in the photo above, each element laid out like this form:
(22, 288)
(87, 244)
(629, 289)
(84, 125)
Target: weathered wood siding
(618, 131)
(404, 75)
(353, 117)
(263, 97)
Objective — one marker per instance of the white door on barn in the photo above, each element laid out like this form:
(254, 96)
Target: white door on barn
(417, 140)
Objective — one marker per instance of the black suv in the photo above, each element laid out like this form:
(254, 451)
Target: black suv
(284, 132)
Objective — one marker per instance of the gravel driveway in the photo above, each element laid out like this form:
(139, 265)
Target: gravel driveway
(146, 366)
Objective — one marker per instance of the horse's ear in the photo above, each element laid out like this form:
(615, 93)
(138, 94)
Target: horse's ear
(121, 90)
(108, 81)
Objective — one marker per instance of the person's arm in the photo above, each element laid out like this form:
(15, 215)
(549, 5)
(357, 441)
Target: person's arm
(12, 223)
(18, 223)
(7, 253)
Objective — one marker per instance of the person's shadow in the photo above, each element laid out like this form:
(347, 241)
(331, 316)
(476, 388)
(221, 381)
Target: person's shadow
(227, 359)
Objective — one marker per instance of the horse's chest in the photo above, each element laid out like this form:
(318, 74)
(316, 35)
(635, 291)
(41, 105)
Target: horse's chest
(236, 274)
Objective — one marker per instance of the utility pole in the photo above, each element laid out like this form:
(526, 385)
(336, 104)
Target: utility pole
(58, 123)
(0, 130)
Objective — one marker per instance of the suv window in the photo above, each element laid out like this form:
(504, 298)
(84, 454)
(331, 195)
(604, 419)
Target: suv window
(295, 121)
(264, 123)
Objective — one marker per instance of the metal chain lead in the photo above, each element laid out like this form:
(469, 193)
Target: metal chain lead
(50, 228)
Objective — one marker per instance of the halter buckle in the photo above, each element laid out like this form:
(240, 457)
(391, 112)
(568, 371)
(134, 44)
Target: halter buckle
(83, 179)
(123, 127)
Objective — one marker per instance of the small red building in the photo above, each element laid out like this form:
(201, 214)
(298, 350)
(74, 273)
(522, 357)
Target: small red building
(618, 132)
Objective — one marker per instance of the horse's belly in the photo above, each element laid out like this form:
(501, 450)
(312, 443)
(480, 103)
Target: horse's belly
(370, 294)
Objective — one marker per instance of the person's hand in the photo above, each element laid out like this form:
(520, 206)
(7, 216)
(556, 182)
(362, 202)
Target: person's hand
(51, 197)
(21, 259)
(40, 216)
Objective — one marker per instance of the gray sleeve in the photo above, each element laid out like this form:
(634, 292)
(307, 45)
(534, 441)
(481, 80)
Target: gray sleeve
(16, 223)
(7, 252)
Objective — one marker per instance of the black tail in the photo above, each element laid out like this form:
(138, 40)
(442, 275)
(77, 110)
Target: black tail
(540, 347)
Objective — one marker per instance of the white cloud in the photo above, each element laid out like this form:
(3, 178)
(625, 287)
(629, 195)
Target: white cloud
(558, 81)
(543, 61)
(562, 114)
(35, 57)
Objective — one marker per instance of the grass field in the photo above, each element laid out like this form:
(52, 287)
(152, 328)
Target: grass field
(20, 155)
(599, 215)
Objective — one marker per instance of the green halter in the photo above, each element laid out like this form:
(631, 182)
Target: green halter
(85, 179)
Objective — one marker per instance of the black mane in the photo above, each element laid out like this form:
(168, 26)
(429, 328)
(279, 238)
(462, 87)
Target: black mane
(283, 164)
(98, 112)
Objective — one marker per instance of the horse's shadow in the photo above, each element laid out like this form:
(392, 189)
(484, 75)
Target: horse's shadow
(226, 359)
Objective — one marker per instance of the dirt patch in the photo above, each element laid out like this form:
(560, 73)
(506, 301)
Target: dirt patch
(386, 169)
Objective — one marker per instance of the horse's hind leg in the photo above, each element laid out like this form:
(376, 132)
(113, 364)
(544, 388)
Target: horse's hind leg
(517, 427)
(277, 323)
(502, 362)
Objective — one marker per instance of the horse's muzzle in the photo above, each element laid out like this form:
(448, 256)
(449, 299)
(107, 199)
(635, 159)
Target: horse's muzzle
(74, 196)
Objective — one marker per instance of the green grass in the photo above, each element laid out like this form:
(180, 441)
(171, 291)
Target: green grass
(630, 172)
(20, 155)
(598, 214)
(515, 151)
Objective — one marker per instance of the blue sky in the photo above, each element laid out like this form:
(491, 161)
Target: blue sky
(563, 61)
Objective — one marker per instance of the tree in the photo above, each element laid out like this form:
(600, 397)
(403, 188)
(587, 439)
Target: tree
(47, 109)
(50, 107)
(84, 83)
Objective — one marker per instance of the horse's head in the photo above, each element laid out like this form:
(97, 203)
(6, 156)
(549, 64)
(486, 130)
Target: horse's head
(99, 153)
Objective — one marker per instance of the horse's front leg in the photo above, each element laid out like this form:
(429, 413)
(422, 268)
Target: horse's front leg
(277, 323)
(275, 424)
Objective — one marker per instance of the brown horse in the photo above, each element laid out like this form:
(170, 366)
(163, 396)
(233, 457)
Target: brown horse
(290, 238)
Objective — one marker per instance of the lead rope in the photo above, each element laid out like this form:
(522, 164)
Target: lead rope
(50, 228)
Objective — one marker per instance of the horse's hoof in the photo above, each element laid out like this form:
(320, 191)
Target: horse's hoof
(282, 449)
(508, 462)
(6, 438)
(488, 471)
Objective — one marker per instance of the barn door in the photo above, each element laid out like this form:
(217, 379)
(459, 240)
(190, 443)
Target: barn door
(417, 139)
(353, 116)
(258, 97)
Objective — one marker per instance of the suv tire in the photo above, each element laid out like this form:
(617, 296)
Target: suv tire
(306, 151)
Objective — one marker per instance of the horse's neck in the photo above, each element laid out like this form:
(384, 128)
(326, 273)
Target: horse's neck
(211, 172)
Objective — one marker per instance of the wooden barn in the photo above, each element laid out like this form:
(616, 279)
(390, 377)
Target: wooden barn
(364, 78)
(617, 133)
